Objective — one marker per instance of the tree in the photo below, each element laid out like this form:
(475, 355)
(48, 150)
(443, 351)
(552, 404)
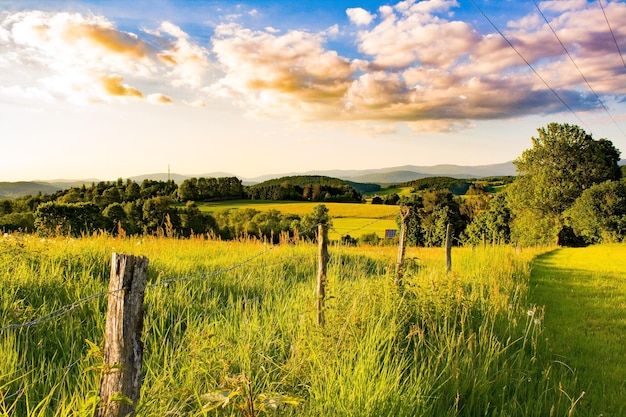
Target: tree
(563, 162)
(599, 214)
(413, 221)
(116, 215)
(308, 225)
(439, 207)
(491, 225)
(159, 215)
(196, 222)
(53, 219)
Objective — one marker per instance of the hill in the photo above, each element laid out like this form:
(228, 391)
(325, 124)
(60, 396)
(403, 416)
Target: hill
(22, 188)
(406, 173)
(383, 176)
(310, 187)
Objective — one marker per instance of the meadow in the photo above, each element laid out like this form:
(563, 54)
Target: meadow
(348, 218)
(230, 321)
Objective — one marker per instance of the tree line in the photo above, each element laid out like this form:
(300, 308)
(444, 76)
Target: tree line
(129, 208)
(569, 190)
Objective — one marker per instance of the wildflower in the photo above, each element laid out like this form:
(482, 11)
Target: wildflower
(531, 313)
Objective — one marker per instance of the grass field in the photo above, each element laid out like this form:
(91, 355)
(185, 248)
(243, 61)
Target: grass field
(240, 317)
(584, 291)
(348, 218)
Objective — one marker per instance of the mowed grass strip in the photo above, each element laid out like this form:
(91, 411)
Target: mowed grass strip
(584, 293)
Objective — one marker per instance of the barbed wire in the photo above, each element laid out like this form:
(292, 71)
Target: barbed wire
(66, 309)
(60, 312)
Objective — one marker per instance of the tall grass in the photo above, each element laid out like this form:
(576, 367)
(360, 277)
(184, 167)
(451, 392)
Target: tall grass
(462, 344)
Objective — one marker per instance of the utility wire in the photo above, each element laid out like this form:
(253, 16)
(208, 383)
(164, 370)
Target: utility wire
(612, 33)
(578, 68)
(529, 64)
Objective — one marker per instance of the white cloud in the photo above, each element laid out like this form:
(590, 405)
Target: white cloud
(83, 59)
(433, 73)
(359, 16)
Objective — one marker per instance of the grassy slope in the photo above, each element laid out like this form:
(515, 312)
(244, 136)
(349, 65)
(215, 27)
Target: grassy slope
(584, 291)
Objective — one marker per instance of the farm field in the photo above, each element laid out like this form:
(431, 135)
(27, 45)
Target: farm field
(228, 318)
(348, 218)
(584, 291)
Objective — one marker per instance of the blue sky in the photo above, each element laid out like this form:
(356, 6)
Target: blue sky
(108, 89)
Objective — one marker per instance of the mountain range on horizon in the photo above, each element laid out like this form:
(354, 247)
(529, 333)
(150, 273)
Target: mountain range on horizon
(382, 176)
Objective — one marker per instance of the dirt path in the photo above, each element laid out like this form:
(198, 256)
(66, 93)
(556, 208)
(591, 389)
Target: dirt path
(584, 294)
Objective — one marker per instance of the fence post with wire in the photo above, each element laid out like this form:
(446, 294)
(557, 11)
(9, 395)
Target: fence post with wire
(123, 349)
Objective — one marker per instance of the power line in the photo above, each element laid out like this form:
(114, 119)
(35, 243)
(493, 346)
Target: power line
(578, 68)
(529, 64)
(612, 33)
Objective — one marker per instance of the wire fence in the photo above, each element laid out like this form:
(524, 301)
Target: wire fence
(67, 309)
(57, 314)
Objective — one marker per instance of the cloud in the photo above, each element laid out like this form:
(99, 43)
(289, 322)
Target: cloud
(359, 16)
(84, 58)
(421, 66)
(113, 86)
(416, 63)
(159, 99)
(276, 73)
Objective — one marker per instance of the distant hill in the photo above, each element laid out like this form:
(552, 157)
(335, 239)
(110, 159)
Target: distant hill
(303, 180)
(406, 173)
(22, 188)
(383, 176)
(395, 177)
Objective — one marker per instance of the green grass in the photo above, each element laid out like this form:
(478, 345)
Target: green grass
(459, 344)
(584, 293)
(348, 218)
(302, 208)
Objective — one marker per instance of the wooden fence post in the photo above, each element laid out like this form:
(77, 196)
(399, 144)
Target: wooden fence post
(123, 350)
(404, 213)
(322, 240)
(449, 248)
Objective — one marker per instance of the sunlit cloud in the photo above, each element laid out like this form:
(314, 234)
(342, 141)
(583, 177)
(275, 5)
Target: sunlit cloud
(425, 68)
(159, 99)
(84, 59)
(416, 63)
(113, 86)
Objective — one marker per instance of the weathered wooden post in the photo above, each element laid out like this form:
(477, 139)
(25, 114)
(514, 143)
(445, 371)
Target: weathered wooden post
(404, 213)
(123, 350)
(449, 248)
(322, 240)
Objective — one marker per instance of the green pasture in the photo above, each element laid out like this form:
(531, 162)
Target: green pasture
(401, 191)
(352, 219)
(228, 324)
(584, 294)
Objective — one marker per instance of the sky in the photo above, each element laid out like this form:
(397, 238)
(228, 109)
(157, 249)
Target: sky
(112, 89)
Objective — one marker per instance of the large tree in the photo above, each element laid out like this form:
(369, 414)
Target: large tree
(599, 214)
(563, 162)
